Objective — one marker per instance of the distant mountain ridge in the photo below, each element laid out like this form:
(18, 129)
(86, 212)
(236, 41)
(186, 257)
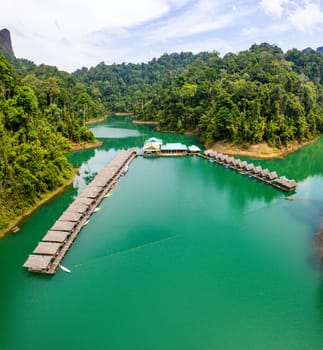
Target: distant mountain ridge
(5, 42)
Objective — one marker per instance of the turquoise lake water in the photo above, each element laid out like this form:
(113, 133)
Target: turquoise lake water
(185, 255)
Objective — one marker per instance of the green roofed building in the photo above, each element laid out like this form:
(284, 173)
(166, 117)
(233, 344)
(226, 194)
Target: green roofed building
(173, 149)
(154, 140)
(152, 146)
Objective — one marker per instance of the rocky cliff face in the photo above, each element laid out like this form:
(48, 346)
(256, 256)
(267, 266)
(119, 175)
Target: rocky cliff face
(5, 42)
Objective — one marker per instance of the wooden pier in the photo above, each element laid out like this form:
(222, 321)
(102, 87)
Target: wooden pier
(264, 175)
(49, 253)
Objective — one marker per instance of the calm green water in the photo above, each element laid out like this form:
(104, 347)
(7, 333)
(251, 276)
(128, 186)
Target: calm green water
(185, 255)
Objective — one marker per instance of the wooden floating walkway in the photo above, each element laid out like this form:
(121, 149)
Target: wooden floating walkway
(264, 175)
(49, 253)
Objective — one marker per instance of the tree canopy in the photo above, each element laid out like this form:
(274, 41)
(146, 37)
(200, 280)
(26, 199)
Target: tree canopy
(41, 111)
(260, 94)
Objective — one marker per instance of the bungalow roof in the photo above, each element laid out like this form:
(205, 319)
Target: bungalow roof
(38, 262)
(67, 226)
(56, 236)
(174, 147)
(71, 215)
(47, 248)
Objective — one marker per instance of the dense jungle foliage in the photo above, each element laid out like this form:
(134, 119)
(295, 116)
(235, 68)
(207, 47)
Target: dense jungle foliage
(257, 95)
(260, 94)
(40, 113)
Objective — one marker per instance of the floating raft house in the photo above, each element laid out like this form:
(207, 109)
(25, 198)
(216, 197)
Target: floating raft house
(264, 175)
(48, 254)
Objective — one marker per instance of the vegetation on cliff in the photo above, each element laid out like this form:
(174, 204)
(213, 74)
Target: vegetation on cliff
(40, 113)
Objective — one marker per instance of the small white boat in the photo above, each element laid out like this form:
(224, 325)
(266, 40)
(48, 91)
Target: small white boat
(15, 229)
(108, 195)
(64, 268)
(96, 209)
(125, 169)
(86, 222)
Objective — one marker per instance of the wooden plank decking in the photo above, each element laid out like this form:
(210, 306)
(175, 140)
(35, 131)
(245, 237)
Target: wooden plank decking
(55, 244)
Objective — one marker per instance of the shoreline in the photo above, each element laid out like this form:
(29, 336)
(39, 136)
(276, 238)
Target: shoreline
(261, 150)
(50, 195)
(46, 198)
(145, 122)
(122, 113)
(188, 133)
(85, 145)
(96, 120)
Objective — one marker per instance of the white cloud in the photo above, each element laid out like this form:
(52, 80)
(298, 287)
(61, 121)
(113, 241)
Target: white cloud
(44, 25)
(273, 7)
(204, 16)
(75, 33)
(79, 16)
(307, 18)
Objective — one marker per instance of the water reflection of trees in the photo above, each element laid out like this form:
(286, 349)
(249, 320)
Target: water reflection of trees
(79, 157)
(241, 189)
(299, 165)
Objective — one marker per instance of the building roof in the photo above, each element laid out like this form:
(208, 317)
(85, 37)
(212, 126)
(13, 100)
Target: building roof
(174, 147)
(38, 262)
(273, 175)
(91, 192)
(99, 182)
(47, 248)
(154, 140)
(151, 146)
(71, 215)
(78, 208)
(194, 148)
(83, 201)
(67, 226)
(258, 169)
(56, 236)
(243, 164)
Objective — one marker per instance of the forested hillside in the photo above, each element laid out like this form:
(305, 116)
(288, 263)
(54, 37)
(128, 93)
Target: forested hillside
(39, 114)
(257, 95)
(260, 94)
(122, 86)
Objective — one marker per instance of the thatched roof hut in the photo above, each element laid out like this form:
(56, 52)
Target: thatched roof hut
(47, 248)
(273, 175)
(194, 149)
(67, 226)
(250, 167)
(79, 207)
(56, 236)
(99, 182)
(38, 262)
(257, 169)
(91, 192)
(243, 165)
(71, 215)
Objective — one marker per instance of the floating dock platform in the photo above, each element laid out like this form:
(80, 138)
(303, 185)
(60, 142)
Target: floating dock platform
(264, 175)
(49, 253)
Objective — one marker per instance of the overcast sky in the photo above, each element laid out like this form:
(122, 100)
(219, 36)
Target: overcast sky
(71, 34)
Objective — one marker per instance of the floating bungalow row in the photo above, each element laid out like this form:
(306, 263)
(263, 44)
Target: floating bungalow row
(48, 254)
(250, 169)
(156, 147)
